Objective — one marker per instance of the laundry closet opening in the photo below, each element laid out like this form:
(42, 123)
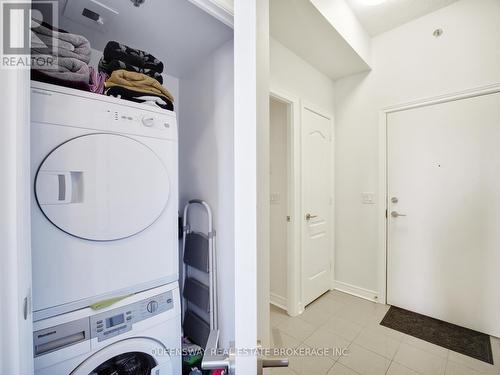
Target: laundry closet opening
(188, 57)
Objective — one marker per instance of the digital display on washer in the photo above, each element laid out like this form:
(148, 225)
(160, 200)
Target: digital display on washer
(114, 320)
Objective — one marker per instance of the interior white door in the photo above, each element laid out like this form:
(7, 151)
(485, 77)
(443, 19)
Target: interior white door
(443, 174)
(317, 168)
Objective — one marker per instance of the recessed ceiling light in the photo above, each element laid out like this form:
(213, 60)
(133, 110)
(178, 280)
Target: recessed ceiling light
(370, 3)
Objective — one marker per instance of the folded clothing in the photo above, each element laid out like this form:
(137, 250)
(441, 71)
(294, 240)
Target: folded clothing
(68, 64)
(96, 81)
(42, 76)
(131, 56)
(139, 97)
(109, 67)
(137, 82)
(66, 44)
(64, 71)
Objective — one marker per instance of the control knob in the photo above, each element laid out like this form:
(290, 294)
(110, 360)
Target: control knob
(152, 306)
(148, 121)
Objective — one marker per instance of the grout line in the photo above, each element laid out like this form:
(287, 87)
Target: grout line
(446, 366)
(411, 369)
(390, 364)
(350, 368)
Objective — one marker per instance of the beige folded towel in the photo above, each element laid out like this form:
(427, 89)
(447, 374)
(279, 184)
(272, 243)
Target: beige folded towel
(137, 82)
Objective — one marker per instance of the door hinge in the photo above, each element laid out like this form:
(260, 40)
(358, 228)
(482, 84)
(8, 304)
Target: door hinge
(27, 306)
(386, 213)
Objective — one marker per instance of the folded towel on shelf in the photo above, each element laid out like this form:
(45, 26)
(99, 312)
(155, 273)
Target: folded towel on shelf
(109, 67)
(131, 56)
(68, 64)
(66, 44)
(60, 79)
(139, 97)
(65, 68)
(96, 81)
(137, 82)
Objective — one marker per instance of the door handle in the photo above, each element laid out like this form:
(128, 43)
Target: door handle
(309, 216)
(396, 214)
(274, 362)
(263, 362)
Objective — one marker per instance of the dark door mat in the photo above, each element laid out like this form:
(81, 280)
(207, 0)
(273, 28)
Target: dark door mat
(450, 336)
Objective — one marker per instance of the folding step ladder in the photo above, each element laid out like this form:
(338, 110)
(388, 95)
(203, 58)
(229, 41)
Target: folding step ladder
(199, 287)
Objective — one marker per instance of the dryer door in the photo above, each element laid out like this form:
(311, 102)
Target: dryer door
(131, 356)
(102, 187)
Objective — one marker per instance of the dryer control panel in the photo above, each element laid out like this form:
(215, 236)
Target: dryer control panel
(58, 105)
(120, 320)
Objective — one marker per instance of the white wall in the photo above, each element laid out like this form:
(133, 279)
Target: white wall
(291, 74)
(408, 63)
(278, 181)
(206, 161)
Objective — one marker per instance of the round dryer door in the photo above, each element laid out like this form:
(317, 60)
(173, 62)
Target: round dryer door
(102, 187)
(137, 356)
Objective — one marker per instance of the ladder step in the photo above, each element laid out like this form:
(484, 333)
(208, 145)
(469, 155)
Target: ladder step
(196, 329)
(197, 293)
(196, 251)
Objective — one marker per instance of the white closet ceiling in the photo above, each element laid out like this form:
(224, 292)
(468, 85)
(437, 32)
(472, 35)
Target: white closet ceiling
(390, 14)
(175, 31)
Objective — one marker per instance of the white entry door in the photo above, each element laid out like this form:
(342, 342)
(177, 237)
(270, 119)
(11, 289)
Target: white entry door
(317, 169)
(444, 183)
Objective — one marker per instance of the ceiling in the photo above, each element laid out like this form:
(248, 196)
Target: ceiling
(393, 13)
(299, 26)
(175, 31)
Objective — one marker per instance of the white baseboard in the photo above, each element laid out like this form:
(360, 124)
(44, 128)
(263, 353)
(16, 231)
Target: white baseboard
(278, 301)
(357, 291)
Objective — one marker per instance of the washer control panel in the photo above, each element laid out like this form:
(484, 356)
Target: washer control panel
(120, 320)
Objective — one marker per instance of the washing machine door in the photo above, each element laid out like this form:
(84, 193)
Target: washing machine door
(102, 187)
(136, 356)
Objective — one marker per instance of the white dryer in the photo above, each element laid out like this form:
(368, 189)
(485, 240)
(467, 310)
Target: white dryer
(138, 335)
(104, 201)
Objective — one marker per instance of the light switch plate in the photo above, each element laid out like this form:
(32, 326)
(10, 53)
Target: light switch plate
(368, 198)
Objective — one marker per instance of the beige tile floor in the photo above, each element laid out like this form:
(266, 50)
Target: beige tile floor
(343, 321)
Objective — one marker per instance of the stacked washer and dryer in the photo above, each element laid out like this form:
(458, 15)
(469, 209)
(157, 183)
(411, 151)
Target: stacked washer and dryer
(104, 235)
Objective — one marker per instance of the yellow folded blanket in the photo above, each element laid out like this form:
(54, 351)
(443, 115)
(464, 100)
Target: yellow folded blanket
(137, 82)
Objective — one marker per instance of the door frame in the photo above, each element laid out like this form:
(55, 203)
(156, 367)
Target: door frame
(251, 184)
(295, 110)
(222, 10)
(383, 195)
(305, 105)
(16, 327)
(293, 266)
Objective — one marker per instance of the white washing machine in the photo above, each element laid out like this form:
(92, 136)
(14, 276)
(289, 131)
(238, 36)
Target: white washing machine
(104, 201)
(138, 335)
